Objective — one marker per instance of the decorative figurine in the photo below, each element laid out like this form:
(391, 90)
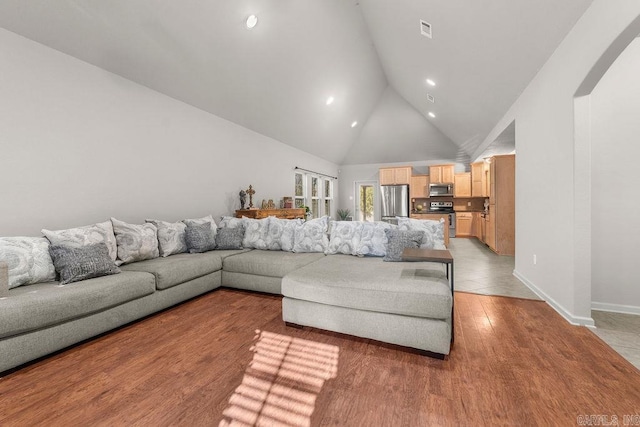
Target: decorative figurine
(243, 198)
(251, 192)
(264, 204)
(270, 204)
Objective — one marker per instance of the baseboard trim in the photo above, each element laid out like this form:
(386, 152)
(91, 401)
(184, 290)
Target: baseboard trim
(615, 308)
(574, 320)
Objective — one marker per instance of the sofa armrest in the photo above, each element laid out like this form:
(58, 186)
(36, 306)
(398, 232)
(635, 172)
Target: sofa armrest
(4, 279)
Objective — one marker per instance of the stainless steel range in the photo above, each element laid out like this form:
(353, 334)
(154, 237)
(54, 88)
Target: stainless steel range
(445, 207)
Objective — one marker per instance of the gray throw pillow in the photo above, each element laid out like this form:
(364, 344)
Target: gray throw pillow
(75, 264)
(229, 238)
(399, 240)
(200, 238)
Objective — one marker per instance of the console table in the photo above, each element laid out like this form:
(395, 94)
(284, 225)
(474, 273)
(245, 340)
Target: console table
(278, 213)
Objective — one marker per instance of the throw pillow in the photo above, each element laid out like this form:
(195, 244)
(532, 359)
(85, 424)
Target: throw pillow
(345, 237)
(86, 262)
(171, 237)
(207, 219)
(230, 222)
(200, 238)
(86, 235)
(28, 260)
(433, 231)
(256, 232)
(311, 236)
(373, 239)
(399, 240)
(135, 242)
(281, 233)
(229, 238)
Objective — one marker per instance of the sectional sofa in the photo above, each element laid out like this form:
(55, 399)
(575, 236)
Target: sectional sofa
(324, 283)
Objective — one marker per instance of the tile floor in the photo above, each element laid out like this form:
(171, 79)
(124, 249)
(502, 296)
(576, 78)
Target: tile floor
(480, 271)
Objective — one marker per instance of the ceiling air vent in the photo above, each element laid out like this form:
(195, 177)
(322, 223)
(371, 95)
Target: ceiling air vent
(431, 98)
(425, 29)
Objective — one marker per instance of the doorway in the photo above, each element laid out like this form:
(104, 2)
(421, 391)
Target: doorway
(366, 201)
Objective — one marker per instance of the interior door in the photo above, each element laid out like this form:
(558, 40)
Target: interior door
(366, 201)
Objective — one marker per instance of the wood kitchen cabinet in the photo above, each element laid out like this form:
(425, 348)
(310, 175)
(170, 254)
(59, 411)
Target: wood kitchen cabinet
(441, 174)
(480, 179)
(500, 232)
(419, 187)
(477, 179)
(395, 176)
(476, 225)
(462, 185)
(464, 224)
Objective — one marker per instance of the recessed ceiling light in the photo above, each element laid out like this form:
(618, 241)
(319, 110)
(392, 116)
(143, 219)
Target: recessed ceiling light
(431, 82)
(432, 115)
(252, 21)
(330, 100)
(354, 124)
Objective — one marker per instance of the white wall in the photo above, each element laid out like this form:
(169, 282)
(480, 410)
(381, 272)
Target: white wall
(546, 177)
(79, 144)
(615, 133)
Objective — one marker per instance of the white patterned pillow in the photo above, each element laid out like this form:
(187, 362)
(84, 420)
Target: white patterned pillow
(84, 236)
(345, 237)
(311, 236)
(230, 222)
(204, 220)
(28, 260)
(135, 242)
(433, 231)
(256, 232)
(373, 239)
(281, 233)
(171, 237)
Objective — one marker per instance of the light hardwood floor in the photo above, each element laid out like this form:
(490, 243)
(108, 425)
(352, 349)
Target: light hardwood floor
(480, 271)
(227, 357)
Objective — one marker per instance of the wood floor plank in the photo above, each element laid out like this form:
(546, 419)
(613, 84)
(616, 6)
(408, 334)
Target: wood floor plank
(513, 362)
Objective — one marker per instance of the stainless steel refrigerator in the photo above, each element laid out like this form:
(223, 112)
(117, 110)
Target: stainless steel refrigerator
(395, 201)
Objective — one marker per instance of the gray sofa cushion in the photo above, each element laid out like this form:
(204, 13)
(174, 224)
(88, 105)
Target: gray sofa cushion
(176, 269)
(269, 263)
(418, 289)
(37, 306)
(75, 264)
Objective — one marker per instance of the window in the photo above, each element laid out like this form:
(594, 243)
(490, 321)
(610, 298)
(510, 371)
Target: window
(314, 192)
(300, 193)
(328, 196)
(315, 197)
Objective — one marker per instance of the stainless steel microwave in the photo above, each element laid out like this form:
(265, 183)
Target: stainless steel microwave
(440, 190)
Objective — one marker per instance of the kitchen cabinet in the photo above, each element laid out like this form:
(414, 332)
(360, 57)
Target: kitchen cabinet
(476, 228)
(441, 174)
(477, 179)
(464, 224)
(480, 179)
(419, 187)
(435, 217)
(395, 176)
(462, 185)
(500, 232)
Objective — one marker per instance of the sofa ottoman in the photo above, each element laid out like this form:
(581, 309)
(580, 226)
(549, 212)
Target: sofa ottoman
(408, 304)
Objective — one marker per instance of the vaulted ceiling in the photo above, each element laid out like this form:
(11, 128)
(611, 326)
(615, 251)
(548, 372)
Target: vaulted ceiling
(369, 55)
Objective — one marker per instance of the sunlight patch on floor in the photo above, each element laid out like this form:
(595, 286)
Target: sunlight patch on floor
(282, 382)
